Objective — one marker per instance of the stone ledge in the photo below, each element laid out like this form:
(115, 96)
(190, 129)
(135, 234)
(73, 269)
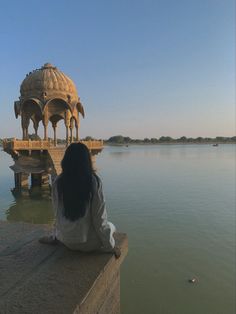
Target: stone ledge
(37, 278)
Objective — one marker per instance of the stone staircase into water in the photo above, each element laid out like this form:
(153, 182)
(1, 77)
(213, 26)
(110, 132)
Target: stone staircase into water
(56, 154)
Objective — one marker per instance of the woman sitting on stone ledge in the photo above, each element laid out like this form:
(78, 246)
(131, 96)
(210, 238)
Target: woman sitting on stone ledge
(78, 201)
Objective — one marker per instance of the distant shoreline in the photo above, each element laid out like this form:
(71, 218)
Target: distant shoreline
(167, 140)
(119, 140)
(166, 143)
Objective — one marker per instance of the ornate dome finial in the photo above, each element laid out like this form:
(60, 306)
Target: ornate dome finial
(48, 66)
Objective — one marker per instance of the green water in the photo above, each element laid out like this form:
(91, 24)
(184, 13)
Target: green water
(177, 204)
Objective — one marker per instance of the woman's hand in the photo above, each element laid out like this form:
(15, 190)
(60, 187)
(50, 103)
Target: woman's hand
(48, 240)
(117, 252)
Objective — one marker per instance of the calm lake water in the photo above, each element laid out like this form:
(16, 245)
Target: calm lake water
(177, 204)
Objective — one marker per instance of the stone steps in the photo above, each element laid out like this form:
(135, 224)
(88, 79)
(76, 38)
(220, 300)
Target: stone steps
(56, 154)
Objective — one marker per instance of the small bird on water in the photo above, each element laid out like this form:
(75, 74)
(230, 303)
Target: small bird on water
(192, 280)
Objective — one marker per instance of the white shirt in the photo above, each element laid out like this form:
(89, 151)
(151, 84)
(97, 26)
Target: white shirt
(88, 233)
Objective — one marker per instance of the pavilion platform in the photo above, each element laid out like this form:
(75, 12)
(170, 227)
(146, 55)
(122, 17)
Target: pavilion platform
(41, 158)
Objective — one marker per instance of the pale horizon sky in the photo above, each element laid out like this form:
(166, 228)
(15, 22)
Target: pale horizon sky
(144, 68)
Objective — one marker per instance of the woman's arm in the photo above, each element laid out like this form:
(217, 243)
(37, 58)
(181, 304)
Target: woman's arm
(103, 227)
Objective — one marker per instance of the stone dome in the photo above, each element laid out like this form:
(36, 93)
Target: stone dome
(48, 82)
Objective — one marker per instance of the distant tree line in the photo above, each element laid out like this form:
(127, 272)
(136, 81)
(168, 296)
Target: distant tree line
(124, 140)
(119, 139)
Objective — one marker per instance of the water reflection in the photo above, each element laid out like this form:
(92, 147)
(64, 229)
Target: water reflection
(31, 205)
(119, 155)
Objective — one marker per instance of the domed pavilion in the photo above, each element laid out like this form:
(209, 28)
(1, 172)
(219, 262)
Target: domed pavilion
(48, 95)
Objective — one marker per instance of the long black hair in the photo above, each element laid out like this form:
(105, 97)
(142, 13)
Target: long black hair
(75, 185)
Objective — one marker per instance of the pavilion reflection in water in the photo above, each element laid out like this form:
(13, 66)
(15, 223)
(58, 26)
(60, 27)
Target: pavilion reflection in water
(32, 205)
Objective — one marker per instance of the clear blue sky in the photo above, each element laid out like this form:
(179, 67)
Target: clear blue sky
(143, 68)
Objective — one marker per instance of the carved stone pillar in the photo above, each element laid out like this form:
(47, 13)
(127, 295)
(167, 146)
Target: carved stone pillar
(25, 124)
(24, 180)
(54, 126)
(67, 125)
(23, 127)
(45, 179)
(45, 124)
(71, 130)
(67, 135)
(77, 129)
(71, 134)
(45, 132)
(36, 126)
(77, 132)
(21, 180)
(23, 133)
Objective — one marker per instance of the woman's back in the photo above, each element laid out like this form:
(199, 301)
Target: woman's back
(79, 205)
(87, 233)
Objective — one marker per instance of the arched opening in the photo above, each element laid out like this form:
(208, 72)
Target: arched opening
(30, 111)
(55, 110)
(54, 121)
